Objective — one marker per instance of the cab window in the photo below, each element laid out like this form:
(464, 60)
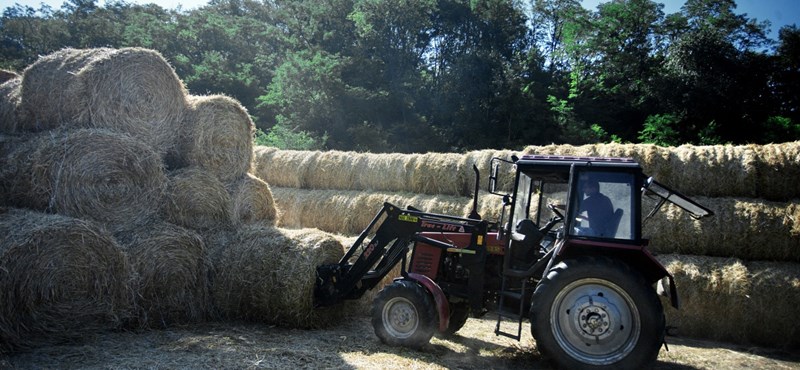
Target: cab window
(604, 207)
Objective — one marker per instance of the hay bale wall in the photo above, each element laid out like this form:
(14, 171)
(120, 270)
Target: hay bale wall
(754, 171)
(61, 279)
(731, 300)
(99, 129)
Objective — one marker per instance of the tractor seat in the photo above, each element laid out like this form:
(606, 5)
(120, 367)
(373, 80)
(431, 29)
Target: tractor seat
(613, 224)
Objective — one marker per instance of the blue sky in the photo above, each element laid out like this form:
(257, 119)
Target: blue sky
(779, 12)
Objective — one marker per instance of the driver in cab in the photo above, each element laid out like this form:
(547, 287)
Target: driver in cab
(594, 211)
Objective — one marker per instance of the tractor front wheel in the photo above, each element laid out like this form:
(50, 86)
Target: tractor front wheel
(404, 314)
(597, 313)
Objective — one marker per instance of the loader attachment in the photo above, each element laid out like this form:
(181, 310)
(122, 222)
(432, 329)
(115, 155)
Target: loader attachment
(393, 231)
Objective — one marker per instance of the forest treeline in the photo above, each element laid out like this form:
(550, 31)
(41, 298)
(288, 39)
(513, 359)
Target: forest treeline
(454, 75)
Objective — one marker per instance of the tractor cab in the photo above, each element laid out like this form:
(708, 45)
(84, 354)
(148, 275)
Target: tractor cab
(580, 202)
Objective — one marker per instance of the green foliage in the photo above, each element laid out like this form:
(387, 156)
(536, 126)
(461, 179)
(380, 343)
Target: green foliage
(452, 75)
(661, 129)
(282, 137)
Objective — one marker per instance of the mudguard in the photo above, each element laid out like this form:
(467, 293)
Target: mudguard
(442, 306)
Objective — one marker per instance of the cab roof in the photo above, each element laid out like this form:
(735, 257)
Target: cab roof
(567, 161)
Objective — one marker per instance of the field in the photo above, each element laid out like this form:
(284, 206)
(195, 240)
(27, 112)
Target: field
(350, 344)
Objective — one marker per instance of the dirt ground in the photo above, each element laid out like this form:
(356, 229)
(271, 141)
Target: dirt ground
(349, 345)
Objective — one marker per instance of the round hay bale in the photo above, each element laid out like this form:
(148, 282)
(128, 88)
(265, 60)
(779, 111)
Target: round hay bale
(251, 202)
(196, 199)
(332, 170)
(383, 172)
(217, 136)
(286, 168)
(129, 90)
(61, 279)
(267, 274)
(757, 300)
(349, 212)
(99, 175)
(777, 169)
(12, 115)
(750, 229)
(53, 88)
(439, 173)
(172, 264)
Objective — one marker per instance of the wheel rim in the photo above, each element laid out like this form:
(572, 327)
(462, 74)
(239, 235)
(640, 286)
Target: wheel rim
(595, 321)
(400, 317)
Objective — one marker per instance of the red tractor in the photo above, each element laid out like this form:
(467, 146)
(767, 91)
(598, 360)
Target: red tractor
(567, 254)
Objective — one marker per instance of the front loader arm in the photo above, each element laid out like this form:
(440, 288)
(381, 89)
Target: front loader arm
(394, 229)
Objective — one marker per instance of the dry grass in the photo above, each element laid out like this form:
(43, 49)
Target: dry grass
(349, 212)
(251, 202)
(351, 344)
(172, 266)
(217, 136)
(95, 174)
(61, 279)
(11, 113)
(196, 199)
(756, 171)
(749, 229)
(266, 274)
(730, 300)
(129, 90)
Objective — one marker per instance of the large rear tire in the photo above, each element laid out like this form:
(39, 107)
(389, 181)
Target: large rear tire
(597, 313)
(404, 314)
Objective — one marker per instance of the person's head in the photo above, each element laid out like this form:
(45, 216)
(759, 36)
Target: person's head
(590, 187)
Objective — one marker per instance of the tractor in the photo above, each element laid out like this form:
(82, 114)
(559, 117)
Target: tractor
(566, 254)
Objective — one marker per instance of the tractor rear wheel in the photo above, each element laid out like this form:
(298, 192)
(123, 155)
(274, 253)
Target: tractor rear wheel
(404, 314)
(597, 313)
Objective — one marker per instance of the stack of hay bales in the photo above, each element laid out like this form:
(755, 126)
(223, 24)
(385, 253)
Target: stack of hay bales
(751, 245)
(123, 199)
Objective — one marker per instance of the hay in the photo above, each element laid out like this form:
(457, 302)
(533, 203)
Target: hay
(98, 175)
(349, 212)
(266, 274)
(196, 199)
(778, 170)
(6, 75)
(759, 171)
(60, 279)
(251, 202)
(726, 299)
(12, 116)
(129, 90)
(286, 168)
(749, 229)
(384, 172)
(217, 136)
(172, 265)
(332, 170)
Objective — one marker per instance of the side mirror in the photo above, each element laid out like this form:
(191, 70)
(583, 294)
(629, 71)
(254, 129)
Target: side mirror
(493, 177)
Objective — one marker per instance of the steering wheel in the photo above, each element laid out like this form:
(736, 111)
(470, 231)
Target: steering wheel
(555, 210)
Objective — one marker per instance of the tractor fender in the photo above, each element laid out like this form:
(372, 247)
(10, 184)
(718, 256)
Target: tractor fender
(637, 257)
(442, 306)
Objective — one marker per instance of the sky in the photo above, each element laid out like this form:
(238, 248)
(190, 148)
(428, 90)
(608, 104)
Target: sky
(778, 12)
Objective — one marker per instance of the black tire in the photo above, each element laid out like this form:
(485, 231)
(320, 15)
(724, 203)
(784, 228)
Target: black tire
(404, 314)
(459, 313)
(597, 313)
